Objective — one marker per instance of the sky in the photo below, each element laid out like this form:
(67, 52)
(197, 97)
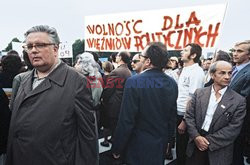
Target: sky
(67, 16)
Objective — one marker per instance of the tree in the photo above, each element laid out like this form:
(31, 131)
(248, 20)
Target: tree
(9, 47)
(78, 47)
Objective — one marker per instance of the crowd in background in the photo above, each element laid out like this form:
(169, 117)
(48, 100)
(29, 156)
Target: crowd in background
(107, 80)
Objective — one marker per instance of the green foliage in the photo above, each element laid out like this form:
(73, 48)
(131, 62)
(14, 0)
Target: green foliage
(9, 47)
(78, 47)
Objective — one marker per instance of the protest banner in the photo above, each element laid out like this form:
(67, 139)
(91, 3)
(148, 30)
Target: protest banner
(65, 50)
(174, 27)
(17, 46)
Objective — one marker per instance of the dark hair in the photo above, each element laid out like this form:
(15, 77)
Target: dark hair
(27, 60)
(222, 56)
(157, 53)
(195, 49)
(107, 66)
(125, 56)
(11, 63)
(12, 52)
(113, 56)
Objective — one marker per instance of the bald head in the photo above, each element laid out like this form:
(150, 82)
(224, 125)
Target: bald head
(221, 72)
(219, 64)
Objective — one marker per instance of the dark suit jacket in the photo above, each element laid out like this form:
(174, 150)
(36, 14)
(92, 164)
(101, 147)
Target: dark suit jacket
(4, 121)
(113, 91)
(147, 118)
(53, 124)
(241, 84)
(225, 127)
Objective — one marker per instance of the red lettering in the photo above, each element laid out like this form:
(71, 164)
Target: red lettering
(188, 35)
(212, 35)
(110, 83)
(178, 39)
(198, 35)
(129, 31)
(98, 29)
(90, 42)
(134, 27)
(177, 26)
(118, 43)
(119, 82)
(116, 28)
(111, 29)
(126, 42)
(91, 29)
(167, 39)
(104, 30)
(109, 43)
(97, 44)
(166, 20)
(159, 34)
(193, 20)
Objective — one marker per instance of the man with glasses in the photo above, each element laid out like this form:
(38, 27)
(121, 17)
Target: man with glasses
(136, 64)
(241, 84)
(148, 112)
(53, 121)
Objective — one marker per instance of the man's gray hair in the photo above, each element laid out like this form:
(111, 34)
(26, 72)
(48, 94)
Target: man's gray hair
(213, 66)
(47, 29)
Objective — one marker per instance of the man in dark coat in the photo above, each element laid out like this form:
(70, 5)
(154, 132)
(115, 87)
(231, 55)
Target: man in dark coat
(52, 119)
(241, 84)
(214, 118)
(113, 92)
(4, 123)
(148, 112)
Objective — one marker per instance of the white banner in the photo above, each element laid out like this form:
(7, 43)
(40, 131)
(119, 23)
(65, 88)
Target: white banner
(65, 50)
(174, 27)
(17, 46)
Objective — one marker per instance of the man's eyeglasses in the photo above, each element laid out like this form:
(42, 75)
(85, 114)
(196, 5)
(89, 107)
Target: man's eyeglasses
(135, 61)
(37, 46)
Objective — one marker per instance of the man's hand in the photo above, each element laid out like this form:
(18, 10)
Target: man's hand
(182, 127)
(201, 143)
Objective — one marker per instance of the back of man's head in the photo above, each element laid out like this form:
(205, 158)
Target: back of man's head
(125, 56)
(12, 52)
(11, 63)
(158, 55)
(195, 49)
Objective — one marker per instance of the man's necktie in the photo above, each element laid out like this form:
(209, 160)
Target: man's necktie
(235, 71)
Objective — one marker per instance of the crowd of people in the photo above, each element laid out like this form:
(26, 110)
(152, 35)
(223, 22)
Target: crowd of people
(144, 104)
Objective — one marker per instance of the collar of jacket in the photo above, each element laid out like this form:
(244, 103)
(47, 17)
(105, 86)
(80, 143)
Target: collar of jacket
(58, 75)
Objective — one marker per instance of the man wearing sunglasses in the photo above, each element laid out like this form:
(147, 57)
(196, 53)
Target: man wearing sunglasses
(136, 64)
(53, 121)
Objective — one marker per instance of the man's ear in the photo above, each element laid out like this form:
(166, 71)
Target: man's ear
(212, 75)
(193, 56)
(56, 49)
(148, 61)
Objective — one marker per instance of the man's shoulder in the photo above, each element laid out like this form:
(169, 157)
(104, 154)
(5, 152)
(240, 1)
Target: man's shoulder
(235, 94)
(68, 73)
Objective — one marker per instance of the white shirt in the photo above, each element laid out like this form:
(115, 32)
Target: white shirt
(37, 81)
(213, 103)
(190, 79)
